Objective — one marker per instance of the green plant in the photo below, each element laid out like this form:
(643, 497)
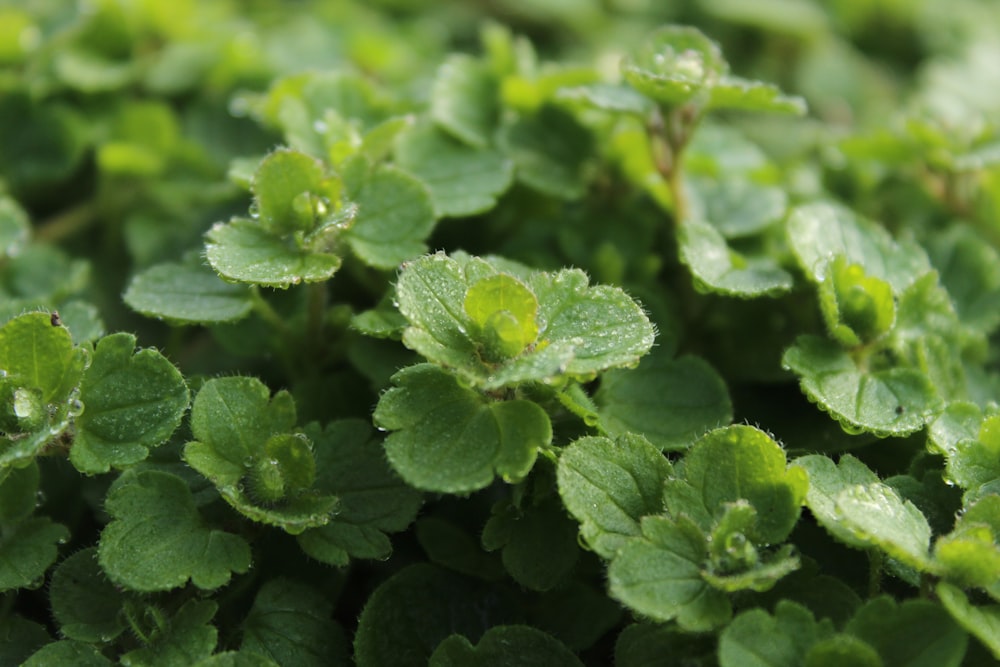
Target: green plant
(475, 349)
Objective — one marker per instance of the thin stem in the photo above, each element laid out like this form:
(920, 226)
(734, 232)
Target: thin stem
(267, 312)
(876, 562)
(316, 311)
(66, 223)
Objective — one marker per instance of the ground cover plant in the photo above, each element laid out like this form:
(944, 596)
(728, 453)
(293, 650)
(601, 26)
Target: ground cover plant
(561, 332)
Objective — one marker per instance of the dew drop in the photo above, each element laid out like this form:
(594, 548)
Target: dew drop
(320, 127)
(254, 211)
(3, 373)
(76, 407)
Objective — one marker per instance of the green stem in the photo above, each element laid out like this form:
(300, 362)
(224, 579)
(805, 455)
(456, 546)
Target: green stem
(314, 323)
(66, 223)
(876, 562)
(267, 312)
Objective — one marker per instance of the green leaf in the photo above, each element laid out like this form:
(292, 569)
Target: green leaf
(290, 190)
(736, 93)
(674, 65)
(243, 444)
(18, 493)
(431, 292)
(157, 540)
(291, 624)
(504, 645)
(615, 98)
(577, 614)
(735, 563)
(27, 549)
(395, 216)
(19, 638)
(84, 603)
(539, 542)
(739, 463)
(350, 464)
(982, 622)
(820, 232)
(410, 613)
(462, 180)
(914, 633)
(645, 644)
(184, 639)
(850, 502)
(735, 205)
(970, 554)
(549, 150)
(187, 294)
(237, 659)
(609, 485)
(504, 312)
(842, 649)
(38, 355)
(464, 100)
(243, 251)
(970, 271)
(67, 652)
(453, 547)
(659, 575)
(856, 308)
(132, 403)
(15, 227)
(453, 440)
(756, 638)
(669, 401)
(895, 401)
(718, 268)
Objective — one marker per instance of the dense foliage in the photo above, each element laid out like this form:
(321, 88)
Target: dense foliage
(552, 332)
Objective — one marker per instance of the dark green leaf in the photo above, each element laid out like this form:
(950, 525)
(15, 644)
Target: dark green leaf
(157, 539)
(185, 639)
(914, 633)
(608, 486)
(133, 401)
(67, 652)
(758, 639)
(187, 294)
(85, 604)
(504, 645)
(549, 150)
(982, 622)
(27, 549)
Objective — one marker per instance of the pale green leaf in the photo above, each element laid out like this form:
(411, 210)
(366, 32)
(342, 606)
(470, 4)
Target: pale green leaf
(675, 65)
(451, 439)
(735, 205)
(187, 294)
(133, 401)
(464, 100)
(14, 227)
(157, 540)
(857, 308)
(659, 575)
(615, 98)
(718, 268)
(243, 251)
(395, 216)
(609, 485)
(756, 638)
(462, 180)
(733, 92)
(896, 401)
(287, 187)
(970, 271)
(982, 622)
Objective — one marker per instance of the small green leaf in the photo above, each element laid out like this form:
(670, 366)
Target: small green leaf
(669, 401)
(675, 65)
(739, 463)
(914, 633)
(187, 294)
(970, 554)
(464, 100)
(820, 232)
(718, 268)
(453, 440)
(659, 575)
(970, 271)
(186, 638)
(291, 624)
(27, 549)
(982, 622)
(756, 638)
(842, 649)
(244, 445)
(856, 308)
(549, 150)
(84, 603)
(857, 509)
(288, 187)
(896, 401)
(19, 638)
(462, 180)
(132, 403)
(611, 97)
(410, 613)
(157, 540)
(243, 251)
(504, 312)
(736, 93)
(38, 355)
(504, 645)
(351, 465)
(608, 486)
(67, 652)
(18, 493)
(395, 216)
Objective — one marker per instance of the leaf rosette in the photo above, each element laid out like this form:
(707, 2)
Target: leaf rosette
(498, 325)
